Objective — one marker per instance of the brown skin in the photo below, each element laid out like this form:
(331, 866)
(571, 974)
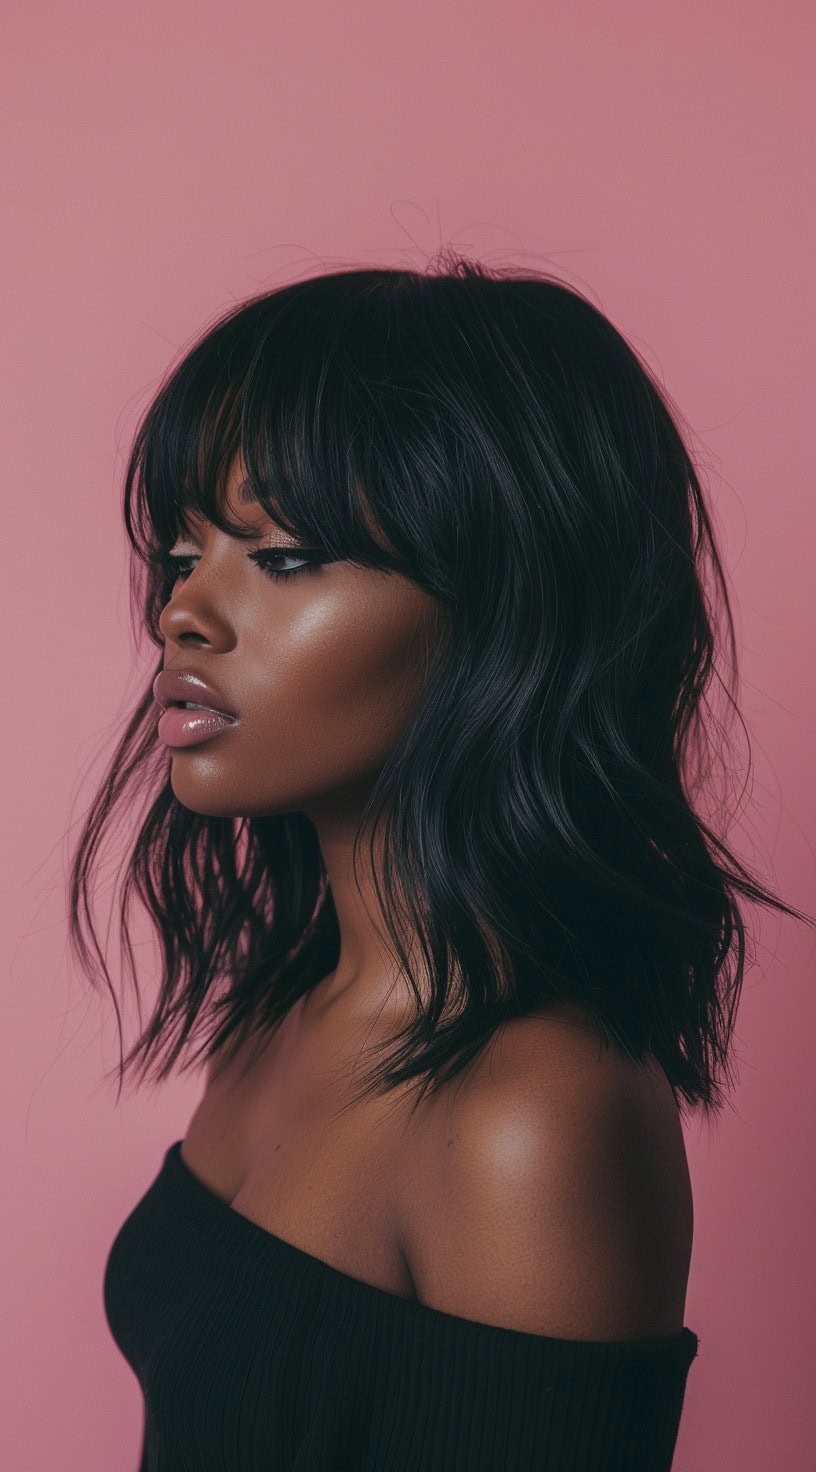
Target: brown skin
(324, 670)
(558, 1200)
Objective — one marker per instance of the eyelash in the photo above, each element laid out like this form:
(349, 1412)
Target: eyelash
(262, 556)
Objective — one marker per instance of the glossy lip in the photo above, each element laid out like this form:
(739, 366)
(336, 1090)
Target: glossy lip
(173, 686)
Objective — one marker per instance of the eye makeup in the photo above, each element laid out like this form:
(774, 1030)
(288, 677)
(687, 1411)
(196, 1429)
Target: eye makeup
(178, 564)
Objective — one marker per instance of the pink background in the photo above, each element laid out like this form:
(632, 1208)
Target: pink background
(165, 160)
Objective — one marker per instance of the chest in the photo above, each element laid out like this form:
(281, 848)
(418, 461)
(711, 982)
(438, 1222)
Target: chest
(272, 1138)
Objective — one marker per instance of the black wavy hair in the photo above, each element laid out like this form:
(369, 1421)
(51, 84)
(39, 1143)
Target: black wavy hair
(489, 434)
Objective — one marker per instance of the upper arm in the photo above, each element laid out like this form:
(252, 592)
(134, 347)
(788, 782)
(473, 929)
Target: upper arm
(559, 1201)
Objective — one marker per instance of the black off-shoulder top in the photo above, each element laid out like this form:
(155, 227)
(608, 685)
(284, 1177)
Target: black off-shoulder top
(255, 1356)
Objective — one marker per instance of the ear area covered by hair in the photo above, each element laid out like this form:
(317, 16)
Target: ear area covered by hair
(491, 437)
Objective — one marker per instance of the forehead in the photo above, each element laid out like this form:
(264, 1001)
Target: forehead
(238, 493)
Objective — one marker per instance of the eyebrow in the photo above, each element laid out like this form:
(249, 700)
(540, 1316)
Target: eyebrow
(246, 496)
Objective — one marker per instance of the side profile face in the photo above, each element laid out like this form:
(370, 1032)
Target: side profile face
(323, 668)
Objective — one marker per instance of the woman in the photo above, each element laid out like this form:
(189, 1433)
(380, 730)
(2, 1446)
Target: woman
(423, 556)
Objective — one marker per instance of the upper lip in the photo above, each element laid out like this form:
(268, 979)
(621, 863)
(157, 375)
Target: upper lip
(171, 687)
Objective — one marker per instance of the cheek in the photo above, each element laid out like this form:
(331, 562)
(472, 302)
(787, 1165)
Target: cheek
(353, 694)
(347, 680)
(327, 688)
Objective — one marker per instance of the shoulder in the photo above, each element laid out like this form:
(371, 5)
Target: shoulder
(552, 1194)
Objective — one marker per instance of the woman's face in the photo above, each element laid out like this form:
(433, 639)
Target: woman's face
(323, 669)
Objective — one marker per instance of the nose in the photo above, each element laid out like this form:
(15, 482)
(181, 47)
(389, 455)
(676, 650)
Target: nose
(192, 614)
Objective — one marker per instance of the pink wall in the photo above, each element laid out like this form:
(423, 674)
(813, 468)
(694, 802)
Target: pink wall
(163, 160)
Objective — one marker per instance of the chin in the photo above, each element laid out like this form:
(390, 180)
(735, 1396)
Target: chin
(201, 796)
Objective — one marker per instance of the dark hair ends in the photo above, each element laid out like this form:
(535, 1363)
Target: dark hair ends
(489, 434)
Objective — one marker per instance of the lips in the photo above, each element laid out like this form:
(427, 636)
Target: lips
(176, 687)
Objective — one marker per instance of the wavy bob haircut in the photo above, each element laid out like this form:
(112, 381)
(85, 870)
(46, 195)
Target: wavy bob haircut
(489, 434)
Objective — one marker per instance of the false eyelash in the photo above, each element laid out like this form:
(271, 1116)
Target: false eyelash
(263, 556)
(173, 562)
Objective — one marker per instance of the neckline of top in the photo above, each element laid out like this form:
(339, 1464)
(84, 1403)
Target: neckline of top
(209, 1207)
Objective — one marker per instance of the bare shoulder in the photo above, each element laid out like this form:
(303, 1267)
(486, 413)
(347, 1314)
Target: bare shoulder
(554, 1194)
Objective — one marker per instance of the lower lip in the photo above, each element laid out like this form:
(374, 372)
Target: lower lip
(180, 727)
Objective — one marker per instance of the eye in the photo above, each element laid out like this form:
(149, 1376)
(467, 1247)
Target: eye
(267, 556)
(179, 566)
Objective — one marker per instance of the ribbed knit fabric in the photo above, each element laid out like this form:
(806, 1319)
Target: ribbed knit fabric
(255, 1356)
